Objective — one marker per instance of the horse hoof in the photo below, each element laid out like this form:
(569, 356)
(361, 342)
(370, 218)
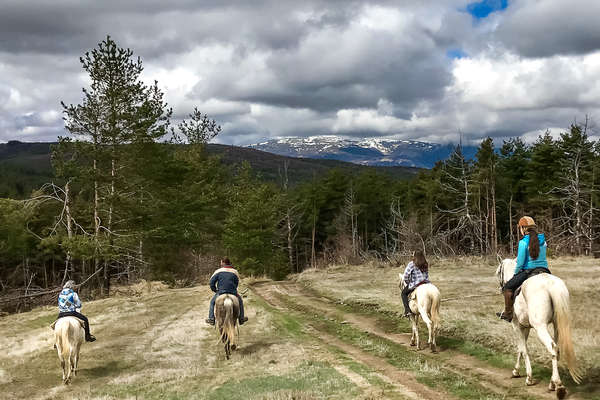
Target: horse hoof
(233, 347)
(433, 348)
(561, 392)
(413, 344)
(551, 387)
(515, 374)
(529, 382)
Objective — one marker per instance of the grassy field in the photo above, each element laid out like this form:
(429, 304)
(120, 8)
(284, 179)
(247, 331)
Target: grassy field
(327, 334)
(469, 324)
(154, 344)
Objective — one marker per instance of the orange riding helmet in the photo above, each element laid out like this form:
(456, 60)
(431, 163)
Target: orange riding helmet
(526, 222)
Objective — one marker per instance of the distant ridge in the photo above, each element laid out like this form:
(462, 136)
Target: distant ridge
(373, 151)
(26, 166)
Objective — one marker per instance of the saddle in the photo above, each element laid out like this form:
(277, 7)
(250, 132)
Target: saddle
(52, 325)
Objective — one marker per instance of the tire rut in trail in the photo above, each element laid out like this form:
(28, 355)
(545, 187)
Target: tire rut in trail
(409, 387)
(494, 379)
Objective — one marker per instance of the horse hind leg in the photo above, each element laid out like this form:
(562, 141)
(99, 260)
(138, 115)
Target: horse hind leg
(227, 349)
(546, 339)
(429, 324)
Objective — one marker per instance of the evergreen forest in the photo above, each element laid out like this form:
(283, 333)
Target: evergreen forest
(133, 196)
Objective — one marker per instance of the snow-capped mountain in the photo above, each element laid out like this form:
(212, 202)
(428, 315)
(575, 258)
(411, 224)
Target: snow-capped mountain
(372, 151)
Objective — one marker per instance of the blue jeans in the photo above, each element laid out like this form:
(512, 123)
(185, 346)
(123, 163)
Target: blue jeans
(517, 280)
(405, 293)
(211, 309)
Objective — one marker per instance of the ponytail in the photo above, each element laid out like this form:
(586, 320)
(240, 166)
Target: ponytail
(534, 243)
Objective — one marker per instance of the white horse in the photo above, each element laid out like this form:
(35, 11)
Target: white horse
(68, 335)
(424, 301)
(544, 299)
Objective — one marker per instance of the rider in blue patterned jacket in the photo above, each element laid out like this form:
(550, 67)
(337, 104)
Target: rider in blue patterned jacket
(225, 280)
(69, 305)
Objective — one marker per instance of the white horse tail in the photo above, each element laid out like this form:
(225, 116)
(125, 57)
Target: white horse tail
(435, 310)
(228, 331)
(560, 302)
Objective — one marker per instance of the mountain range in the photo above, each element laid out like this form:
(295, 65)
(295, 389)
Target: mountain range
(26, 166)
(373, 151)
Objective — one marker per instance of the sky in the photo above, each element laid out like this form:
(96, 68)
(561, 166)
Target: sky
(410, 69)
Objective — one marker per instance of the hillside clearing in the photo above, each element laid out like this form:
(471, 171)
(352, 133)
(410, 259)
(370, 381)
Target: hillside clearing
(469, 324)
(156, 346)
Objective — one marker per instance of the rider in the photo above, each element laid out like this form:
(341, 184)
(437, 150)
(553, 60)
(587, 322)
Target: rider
(225, 280)
(531, 256)
(415, 274)
(69, 306)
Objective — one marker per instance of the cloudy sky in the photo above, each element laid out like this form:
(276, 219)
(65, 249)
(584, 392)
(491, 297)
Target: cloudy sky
(409, 69)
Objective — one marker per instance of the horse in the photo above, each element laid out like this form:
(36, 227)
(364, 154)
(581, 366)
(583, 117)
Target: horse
(68, 335)
(544, 299)
(424, 301)
(227, 311)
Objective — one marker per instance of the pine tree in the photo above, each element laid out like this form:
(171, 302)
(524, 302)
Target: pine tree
(118, 120)
(485, 175)
(512, 166)
(574, 187)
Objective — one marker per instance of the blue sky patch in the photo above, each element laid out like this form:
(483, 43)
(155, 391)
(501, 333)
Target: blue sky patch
(482, 9)
(456, 53)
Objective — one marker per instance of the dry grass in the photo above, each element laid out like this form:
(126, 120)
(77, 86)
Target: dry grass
(473, 319)
(153, 344)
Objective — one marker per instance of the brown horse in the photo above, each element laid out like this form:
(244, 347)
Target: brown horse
(227, 311)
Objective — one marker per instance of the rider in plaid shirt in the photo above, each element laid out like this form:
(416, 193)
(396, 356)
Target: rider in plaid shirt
(416, 273)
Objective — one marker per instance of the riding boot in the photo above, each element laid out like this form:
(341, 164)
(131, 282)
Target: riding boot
(507, 314)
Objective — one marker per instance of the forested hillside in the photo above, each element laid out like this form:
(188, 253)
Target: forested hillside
(25, 167)
(123, 204)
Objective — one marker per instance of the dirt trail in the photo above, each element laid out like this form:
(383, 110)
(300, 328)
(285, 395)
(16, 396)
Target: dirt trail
(494, 379)
(409, 386)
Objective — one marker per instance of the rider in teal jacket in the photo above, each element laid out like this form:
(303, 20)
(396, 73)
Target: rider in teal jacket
(524, 261)
(531, 258)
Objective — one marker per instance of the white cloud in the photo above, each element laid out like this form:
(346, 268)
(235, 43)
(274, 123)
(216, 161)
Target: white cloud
(281, 68)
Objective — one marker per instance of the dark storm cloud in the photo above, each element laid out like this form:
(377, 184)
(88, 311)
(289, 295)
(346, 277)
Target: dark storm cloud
(281, 67)
(551, 27)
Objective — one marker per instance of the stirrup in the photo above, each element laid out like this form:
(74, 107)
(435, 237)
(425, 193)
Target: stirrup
(210, 321)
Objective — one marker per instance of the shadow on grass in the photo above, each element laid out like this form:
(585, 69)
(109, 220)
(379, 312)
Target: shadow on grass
(108, 369)
(255, 348)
